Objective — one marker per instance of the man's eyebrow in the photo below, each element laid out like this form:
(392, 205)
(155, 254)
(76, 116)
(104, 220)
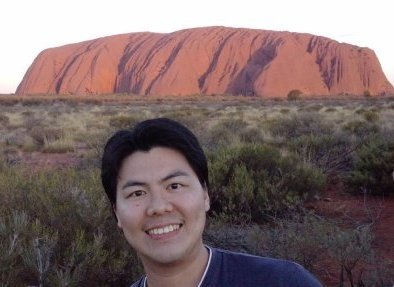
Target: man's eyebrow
(175, 174)
(130, 183)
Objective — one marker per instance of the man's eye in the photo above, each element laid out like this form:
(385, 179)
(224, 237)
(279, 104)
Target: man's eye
(174, 186)
(137, 193)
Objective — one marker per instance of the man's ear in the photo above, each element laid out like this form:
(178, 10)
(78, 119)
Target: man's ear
(207, 201)
(116, 215)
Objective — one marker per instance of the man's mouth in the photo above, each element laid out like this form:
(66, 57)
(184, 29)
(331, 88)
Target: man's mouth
(164, 229)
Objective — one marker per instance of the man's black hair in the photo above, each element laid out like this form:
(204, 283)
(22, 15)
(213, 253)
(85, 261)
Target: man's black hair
(159, 132)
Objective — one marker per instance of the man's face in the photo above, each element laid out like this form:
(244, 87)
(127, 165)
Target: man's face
(161, 206)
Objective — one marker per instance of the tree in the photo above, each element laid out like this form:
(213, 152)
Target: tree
(294, 95)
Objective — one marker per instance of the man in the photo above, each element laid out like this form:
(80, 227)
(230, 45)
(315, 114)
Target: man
(156, 177)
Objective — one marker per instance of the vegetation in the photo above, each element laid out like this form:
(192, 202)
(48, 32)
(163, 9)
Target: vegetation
(271, 163)
(373, 168)
(294, 95)
(255, 183)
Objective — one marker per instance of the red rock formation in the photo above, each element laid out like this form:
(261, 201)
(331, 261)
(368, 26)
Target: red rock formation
(214, 60)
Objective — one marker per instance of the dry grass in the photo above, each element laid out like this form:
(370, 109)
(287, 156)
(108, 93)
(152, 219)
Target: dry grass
(79, 118)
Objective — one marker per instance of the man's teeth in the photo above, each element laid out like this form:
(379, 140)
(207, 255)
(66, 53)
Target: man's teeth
(163, 230)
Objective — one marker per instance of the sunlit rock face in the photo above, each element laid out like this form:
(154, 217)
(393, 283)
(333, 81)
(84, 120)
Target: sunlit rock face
(213, 60)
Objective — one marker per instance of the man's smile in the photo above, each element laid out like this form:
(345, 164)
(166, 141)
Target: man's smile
(164, 229)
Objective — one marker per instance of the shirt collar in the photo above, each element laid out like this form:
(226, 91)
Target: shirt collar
(203, 275)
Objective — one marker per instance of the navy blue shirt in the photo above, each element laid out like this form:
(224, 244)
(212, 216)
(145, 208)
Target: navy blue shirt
(231, 269)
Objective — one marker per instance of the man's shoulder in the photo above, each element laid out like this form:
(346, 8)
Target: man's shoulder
(257, 269)
(250, 260)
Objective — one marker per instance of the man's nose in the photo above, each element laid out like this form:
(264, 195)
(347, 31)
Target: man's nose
(159, 204)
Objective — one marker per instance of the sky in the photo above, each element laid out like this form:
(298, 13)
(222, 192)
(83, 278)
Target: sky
(29, 26)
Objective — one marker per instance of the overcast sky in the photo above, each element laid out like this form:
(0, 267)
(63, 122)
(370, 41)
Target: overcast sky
(30, 26)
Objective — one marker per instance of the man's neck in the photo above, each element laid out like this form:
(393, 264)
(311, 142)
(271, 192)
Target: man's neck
(187, 273)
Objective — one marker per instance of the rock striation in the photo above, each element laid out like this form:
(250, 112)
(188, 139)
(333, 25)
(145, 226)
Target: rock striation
(210, 60)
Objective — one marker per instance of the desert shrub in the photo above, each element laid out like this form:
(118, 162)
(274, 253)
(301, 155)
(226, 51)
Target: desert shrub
(371, 116)
(29, 113)
(381, 275)
(57, 229)
(4, 120)
(31, 121)
(38, 253)
(361, 129)
(217, 137)
(255, 182)
(294, 95)
(123, 121)
(373, 168)
(285, 111)
(17, 139)
(297, 125)
(367, 94)
(233, 125)
(351, 249)
(251, 135)
(41, 135)
(330, 110)
(360, 111)
(300, 239)
(332, 153)
(240, 238)
(95, 142)
(13, 227)
(61, 145)
(226, 132)
(314, 108)
(188, 117)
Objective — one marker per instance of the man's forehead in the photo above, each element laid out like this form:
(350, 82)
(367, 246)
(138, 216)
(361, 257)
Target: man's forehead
(156, 163)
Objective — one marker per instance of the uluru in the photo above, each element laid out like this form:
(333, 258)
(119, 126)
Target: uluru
(209, 60)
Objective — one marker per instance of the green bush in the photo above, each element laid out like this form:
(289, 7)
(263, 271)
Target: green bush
(361, 129)
(351, 249)
(251, 135)
(41, 135)
(294, 95)
(300, 239)
(255, 182)
(17, 139)
(4, 120)
(227, 132)
(371, 116)
(332, 153)
(367, 94)
(299, 125)
(226, 235)
(381, 274)
(330, 110)
(218, 137)
(56, 229)
(233, 125)
(373, 168)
